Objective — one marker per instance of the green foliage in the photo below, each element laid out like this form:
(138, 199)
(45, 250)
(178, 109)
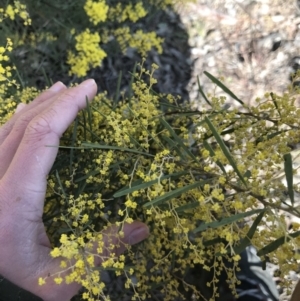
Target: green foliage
(77, 35)
(207, 182)
(204, 181)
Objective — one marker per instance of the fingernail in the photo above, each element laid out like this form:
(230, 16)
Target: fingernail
(57, 87)
(88, 83)
(138, 234)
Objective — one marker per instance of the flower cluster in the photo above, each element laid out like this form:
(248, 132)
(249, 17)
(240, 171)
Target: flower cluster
(138, 162)
(96, 10)
(130, 12)
(140, 40)
(5, 72)
(89, 54)
(10, 12)
(207, 182)
(17, 9)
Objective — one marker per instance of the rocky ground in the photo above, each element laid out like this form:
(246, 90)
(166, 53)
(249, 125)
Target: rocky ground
(254, 45)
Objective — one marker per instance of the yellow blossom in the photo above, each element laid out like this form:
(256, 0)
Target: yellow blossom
(41, 281)
(89, 54)
(55, 252)
(96, 10)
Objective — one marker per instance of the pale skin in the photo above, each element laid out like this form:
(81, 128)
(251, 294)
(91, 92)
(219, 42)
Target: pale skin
(25, 161)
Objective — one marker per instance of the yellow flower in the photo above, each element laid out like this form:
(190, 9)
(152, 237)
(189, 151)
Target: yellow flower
(130, 204)
(58, 280)
(79, 264)
(41, 281)
(10, 12)
(142, 41)
(133, 13)
(63, 264)
(96, 10)
(236, 257)
(89, 54)
(17, 9)
(55, 252)
(85, 218)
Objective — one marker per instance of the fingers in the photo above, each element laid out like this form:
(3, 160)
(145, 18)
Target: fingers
(133, 233)
(33, 158)
(46, 95)
(18, 124)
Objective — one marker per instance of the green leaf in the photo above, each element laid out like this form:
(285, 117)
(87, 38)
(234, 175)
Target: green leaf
(74, 136)
(246, 241)
(103, 100)
(20, 79)
(173, 145)
(288, 169)
(138, 185)
(136, 144)
(117, 95)
(117, 148)
(90, 173)
(60, 184)
(202, 93)
(228, 131)
(184, 113)
(211, 242)
(247, 174)
(80, 188)
(46, 78)
(187, 207)
(223, 87)
(175, 193)
(130, 93)
(226, 220)
(269, 136)
(88, 109)
(103, 115)
(277, 243)
(177, 139)
(89, 131)
(211, 114)
(64, 230)
(275, 102)
(225, 150)
(84, 125)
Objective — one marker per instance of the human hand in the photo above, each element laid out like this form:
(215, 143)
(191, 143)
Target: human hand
(25, 162)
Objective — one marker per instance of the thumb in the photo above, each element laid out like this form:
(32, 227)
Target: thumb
(115, 241)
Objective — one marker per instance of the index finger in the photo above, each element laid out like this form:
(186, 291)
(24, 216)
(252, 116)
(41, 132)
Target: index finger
(33, 159)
